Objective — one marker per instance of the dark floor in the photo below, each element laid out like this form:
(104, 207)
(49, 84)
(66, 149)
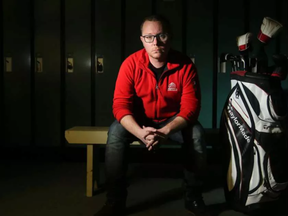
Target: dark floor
(49, 184)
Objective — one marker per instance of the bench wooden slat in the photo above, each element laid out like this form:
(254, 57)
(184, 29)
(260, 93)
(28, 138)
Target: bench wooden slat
(88, 135)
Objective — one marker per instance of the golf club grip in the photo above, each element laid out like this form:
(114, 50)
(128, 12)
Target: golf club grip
(227, 57)
(223, 67)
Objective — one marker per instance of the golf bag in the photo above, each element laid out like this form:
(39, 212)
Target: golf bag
(253, 134)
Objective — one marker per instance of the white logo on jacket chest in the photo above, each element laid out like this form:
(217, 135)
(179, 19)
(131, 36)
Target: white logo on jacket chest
(172, 87)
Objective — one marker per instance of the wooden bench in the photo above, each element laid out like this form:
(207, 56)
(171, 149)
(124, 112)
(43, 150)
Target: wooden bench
(93, 137)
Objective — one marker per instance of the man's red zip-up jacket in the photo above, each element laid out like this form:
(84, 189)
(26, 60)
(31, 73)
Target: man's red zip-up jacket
(138, 93)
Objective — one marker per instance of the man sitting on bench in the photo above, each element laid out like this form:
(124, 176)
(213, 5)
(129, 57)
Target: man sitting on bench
(157, 97)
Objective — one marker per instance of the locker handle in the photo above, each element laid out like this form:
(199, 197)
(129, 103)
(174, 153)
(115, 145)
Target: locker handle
(70, 65)
(39, 64)
(8, 64)
(100, 64)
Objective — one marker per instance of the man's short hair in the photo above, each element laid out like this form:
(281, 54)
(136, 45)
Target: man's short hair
(157, 17)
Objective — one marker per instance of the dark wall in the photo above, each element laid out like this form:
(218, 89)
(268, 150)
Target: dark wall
(39, 98)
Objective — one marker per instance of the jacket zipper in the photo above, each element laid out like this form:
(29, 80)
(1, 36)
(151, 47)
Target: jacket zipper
(156, 99)
(157, 93)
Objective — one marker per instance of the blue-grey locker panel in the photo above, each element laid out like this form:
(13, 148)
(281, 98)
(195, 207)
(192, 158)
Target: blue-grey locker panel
(230, 26)
(268, 9)
(78, 52)
(200, 46)
(17, 83)
(2, 127)
(133, 20)
(284, 37)
(108, 40)
(47, 74)
(172, 10)
(284, 34)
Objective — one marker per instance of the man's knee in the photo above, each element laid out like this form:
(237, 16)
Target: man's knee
(197, 131)
(198, 137)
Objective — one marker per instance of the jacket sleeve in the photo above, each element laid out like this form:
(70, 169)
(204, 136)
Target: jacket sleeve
(124, 90)
(191, 95)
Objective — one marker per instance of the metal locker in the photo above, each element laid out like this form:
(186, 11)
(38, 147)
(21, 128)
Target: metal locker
(109, 45)
(230, 26)
(17, 80)
(78, 48)
(47, 72)
(200, 47)
(284, 35)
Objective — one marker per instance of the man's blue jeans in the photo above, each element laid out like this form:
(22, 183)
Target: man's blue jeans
(116, 159)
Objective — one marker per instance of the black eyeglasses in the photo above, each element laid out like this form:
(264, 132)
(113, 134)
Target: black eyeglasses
(150, 38)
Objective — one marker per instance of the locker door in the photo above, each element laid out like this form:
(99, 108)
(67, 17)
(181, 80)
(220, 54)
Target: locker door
(78, 53)
(172, 10)
(47, 72)
(108, 39)
(200, 46)
(17, 81)
(284, 35)
(230, 26)
(2, 127)
(134, 18)
(284, 21)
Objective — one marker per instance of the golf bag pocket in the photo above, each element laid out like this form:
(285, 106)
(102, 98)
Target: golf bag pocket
(277, 104)
(266, 183)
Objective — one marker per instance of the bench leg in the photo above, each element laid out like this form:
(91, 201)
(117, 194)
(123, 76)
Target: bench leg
(92, 170)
